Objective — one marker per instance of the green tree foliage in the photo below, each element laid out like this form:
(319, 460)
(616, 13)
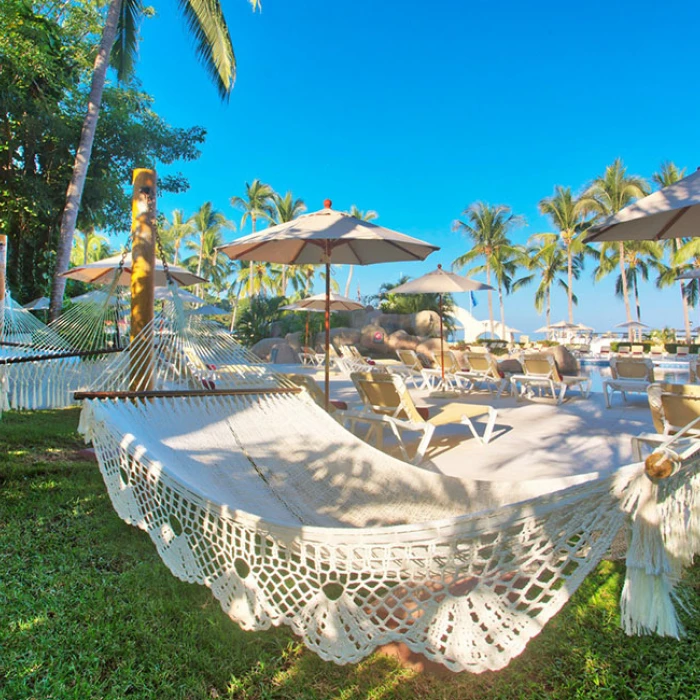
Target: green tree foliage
(44, 61)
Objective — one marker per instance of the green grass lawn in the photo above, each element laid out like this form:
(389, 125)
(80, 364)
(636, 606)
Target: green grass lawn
(87, 610)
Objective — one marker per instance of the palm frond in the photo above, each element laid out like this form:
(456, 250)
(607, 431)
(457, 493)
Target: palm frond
(124, 52)
(213, 46)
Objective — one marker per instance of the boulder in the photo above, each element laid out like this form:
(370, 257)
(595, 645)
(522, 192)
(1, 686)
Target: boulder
(430, 348)
(295, 340)
(566, 362)
(426, 323)
(281, 349)
(345, 336)
(401, 340)
(510, 366)
(373, 338)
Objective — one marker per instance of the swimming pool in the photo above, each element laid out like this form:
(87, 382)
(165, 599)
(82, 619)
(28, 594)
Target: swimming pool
(674, 373)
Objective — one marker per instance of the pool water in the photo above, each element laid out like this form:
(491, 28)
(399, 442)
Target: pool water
(672, 375)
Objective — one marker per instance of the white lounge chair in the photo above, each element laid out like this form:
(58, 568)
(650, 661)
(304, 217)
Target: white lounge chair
(629, 375)
(540, 371)
(483, 371)
(386, 396)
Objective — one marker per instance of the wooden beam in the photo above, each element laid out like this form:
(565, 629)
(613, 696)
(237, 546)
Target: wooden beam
(143, 254)
(184, 393)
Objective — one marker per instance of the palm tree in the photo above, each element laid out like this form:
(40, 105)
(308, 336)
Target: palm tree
(93, 247)
(667, 175)
(173, 234)
(286, 209)
(257, 204)
(207, 224)
(369, 215)
(119, 42)
(640, 257)
(605, 196)
(488, 226)
(687, 258)
(567, 215)
(550, 262)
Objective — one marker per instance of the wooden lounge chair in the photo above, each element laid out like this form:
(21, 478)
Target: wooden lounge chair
(682, 351)
(624, 350)
(637, 351)
(483, 371)
(386, 397)
(629, 375)
(540, 371)
(675, 411)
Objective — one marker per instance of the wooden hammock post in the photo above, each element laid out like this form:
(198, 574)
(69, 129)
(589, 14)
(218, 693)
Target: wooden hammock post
(143, 254)
(3, 266)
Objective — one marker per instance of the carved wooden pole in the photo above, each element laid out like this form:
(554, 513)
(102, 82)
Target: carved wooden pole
(143, 253)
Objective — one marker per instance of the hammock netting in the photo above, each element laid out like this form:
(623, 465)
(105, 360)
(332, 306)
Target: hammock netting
(42, 365)
(290, 519)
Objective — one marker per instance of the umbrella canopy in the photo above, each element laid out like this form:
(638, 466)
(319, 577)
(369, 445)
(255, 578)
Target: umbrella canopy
(440, 282)
(582, 327)
(208, 310)
(327, 235)
(318, 303)
(324, 237)
(161, 294)
(671, 212)
(689, 275)
(632, 324)
(166, 294)
(558, 326)
(40, 304)
(102, 272)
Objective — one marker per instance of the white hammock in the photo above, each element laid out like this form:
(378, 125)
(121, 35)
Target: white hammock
(290, 519)
(41, 366)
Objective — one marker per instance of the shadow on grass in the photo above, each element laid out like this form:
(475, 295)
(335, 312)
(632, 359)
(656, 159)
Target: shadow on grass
(89, 610)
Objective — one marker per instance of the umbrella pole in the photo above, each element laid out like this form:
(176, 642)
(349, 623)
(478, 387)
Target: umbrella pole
(328, 330)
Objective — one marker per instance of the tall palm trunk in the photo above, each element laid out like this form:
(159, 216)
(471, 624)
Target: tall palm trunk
(549, 307)
(686, 313)
(347, 284)
(570, 278)
(76, 186)
(490, 297)
(636, 297)
(284, 281)
(625, 289)
(677, 243)
(250, 268)
(503, 313)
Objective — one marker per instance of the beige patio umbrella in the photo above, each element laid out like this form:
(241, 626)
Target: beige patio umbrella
(318, 303)
(441, 282)
(102, 272)
(336, 302)
(671, 212)
(325, 237)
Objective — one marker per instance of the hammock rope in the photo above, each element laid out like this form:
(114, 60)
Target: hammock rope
(289, 519)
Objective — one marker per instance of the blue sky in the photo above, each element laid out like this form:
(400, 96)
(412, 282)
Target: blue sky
(418, 109)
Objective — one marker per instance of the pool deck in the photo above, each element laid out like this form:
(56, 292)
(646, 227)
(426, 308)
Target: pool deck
(533, 439)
